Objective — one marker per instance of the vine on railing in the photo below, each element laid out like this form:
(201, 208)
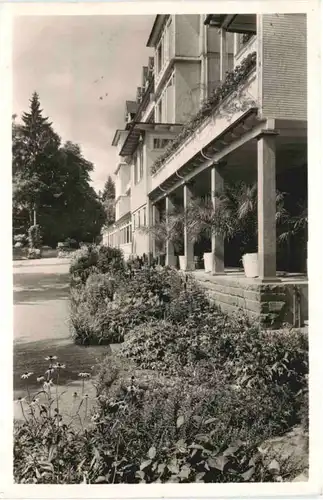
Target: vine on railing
(231, 83)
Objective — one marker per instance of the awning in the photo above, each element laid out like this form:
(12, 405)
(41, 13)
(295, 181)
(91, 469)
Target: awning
(233, 23)
(135, 130)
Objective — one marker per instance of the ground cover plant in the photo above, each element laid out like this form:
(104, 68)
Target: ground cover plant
(191, 395)
(109, 296)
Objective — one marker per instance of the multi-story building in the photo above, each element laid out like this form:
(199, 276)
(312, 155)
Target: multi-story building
(250, 70)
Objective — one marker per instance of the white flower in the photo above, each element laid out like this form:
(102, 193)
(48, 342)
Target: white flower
(84, 375)
(50, 358)
(20, 400)
(34, 402)
(48, 385)
(40, 379)
(57, 366)
(86, 396)
(26, 375)
(49, 371)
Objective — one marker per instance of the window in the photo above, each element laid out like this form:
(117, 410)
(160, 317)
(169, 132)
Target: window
(141, 163)
(165, 108)
(138, 218)
(134, 222)
(163, 50)
(144, 217)
(160, 143)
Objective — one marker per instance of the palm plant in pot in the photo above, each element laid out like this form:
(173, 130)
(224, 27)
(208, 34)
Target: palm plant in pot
(207, 218)
(168, 229)
(243, 198)
(296, 226)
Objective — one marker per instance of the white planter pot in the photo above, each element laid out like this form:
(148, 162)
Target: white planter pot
(182, 262)
(208, 262)
(250, 265)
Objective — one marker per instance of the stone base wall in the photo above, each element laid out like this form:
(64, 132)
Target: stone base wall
(271, 305)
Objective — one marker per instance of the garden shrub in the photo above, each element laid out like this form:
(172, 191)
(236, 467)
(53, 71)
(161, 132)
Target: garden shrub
(166, 430)
(34, 236)
(92, 258)
(273, 365)
(107, 306)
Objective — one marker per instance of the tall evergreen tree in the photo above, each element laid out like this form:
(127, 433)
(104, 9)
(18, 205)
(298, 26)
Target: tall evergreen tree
(53, 179)
(108, 199)
(109, 190)
(35, 154)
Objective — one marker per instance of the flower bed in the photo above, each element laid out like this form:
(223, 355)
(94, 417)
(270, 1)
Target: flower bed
(191, 396)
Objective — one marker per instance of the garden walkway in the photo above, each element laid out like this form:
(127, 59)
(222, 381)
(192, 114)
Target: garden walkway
(41, 328)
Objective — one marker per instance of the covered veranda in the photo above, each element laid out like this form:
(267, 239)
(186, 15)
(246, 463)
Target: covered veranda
(272, 153)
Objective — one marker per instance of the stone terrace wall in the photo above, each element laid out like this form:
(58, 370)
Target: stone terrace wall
(269, 304)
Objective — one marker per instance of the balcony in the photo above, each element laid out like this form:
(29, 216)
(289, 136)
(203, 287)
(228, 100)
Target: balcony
(245, 50)
(122, 206)
(232, 100)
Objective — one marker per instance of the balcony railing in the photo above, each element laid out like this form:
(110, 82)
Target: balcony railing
(232, 82)
(249, 46)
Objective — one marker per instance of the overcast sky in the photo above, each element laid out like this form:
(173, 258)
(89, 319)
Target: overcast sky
(72, 61)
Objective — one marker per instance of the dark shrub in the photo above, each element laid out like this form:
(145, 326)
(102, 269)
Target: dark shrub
(34, 236)
(92, 258)
(110, 305)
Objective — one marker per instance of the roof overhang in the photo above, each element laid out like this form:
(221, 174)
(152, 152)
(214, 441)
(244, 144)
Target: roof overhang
(245, 123)
(233, 23)
(159, 22)
(116, 137)
(137, 128)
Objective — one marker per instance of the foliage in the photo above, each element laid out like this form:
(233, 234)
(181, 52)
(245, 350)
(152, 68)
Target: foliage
(94, 258)
(206, 217)
(231, 83)
(109, 306)
(296, 225)
(232, 212)
(108, 199)
(34, 236)
(170, 228)
(147, 430)
(47, 441)
(21, 238)
(53, 180)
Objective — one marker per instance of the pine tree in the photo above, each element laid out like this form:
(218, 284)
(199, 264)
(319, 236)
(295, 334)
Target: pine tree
(52, 181)
(108, 200)
(35, 156)
(109, 191)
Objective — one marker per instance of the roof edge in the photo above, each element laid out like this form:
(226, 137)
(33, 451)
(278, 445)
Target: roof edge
(155, 30)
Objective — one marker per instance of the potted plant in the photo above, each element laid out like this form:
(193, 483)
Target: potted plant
(296, 225)
(244, 199)
(168, 229)
(206, 218)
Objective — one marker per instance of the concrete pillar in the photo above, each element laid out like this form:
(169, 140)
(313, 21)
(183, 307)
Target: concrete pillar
(170, 251)
(267, 207)
(149, 223)
(188, 244)
(223, 54)
(217, 240)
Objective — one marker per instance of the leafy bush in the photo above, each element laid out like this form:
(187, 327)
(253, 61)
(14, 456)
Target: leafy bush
(150, 429)
(34, 236)
(34, 253)
(272, 365)
(92, 258)
(108, 306)
(20, 238)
